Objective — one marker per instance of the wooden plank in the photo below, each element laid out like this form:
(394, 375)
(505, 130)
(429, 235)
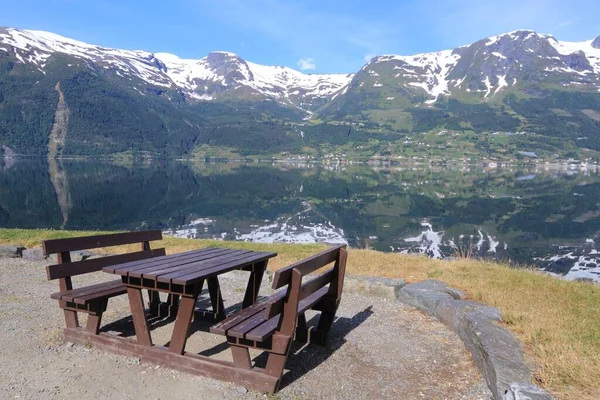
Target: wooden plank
(86, 266)
(130, 266)
(116, 291)
(307, 289)
(254, 379)
(240, 316)
(222, 327)
(72, 294)
(316, 283)
(283, 276)
(168, 276)
(126, 268)
(266, 330)
(93, 242)
(194, 268)
(220, 269)
(162, 268)
(240, 330)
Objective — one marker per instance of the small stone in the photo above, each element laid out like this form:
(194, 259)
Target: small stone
(33, 254)
(242, 390)
(81, 255)
(69, 344)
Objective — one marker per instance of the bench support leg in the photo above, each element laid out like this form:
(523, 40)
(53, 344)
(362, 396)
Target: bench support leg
(275, 366)
(301, 329)
(241, 357)
(95, 316)
(321, 334)
(71, 319)
(93, 323)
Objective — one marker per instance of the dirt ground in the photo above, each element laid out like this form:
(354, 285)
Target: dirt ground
(378, 349)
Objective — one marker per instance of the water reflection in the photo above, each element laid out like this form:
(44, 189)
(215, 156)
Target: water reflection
(544, 215)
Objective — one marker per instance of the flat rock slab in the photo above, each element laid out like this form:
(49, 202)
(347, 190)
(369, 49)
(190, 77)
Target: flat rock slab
(35, 254)
(379, 349)
(373, 286)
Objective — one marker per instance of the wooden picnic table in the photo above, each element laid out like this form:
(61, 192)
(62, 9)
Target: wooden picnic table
(269, 325)
(182, 277)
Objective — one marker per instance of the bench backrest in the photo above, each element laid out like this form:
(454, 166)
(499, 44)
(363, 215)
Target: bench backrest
(297, 291)
(63, 247)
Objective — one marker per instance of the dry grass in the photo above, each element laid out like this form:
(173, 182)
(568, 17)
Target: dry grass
(558, 321)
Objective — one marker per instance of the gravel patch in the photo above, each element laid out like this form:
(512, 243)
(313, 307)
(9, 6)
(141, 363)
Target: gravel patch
(378, 349)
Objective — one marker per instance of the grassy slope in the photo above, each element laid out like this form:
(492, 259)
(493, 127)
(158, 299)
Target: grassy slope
(558, 321)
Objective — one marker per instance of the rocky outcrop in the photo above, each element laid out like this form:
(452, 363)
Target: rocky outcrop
(11, 251)
(495, 350)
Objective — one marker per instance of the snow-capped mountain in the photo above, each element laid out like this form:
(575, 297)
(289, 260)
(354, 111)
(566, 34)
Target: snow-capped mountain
(119, 100)
(218, 75)
(485, 68)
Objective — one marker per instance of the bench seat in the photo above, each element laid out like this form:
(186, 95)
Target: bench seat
(272, 324)
(89, 294)
(252, 323)
(93, 300)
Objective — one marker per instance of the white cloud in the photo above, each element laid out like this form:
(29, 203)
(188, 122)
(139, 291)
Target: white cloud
(564, 24)
(307, 64)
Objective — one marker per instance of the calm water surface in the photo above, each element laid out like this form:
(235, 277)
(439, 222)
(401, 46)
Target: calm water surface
(543, 216)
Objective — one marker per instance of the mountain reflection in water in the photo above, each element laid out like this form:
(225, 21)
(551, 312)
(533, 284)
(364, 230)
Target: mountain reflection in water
(537, 215)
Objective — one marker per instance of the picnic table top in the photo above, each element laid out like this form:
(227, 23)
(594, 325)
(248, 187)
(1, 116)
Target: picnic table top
(190, 267)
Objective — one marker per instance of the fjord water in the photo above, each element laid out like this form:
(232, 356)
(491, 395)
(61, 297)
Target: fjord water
(538, 215)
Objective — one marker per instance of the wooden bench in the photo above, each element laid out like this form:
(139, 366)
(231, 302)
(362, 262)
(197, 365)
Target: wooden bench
(93, 299)
(273, 323)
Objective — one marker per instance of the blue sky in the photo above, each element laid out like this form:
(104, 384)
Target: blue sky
(316, 36)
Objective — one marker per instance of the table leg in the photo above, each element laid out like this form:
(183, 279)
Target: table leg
(172, 305)
(136, 303)
(153, 302)
(216, 298)
(258, 270)
(182, 324)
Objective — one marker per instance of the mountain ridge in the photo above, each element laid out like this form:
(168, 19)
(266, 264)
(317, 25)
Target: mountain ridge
(123, 100)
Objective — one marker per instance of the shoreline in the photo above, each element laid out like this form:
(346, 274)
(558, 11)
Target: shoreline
(301, 160)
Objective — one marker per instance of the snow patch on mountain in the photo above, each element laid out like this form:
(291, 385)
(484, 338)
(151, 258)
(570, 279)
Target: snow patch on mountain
(567, 48)
(429, 69)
